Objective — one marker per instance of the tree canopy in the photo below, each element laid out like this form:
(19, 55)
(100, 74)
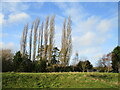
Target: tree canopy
(116, 59)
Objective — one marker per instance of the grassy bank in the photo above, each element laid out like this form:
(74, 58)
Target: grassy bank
(60, 80)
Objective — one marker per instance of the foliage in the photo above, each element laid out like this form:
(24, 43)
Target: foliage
(55, 56)
(104, 64)
(48, 58)
(7, 58)
(39, 66)
(75, 59)
(116, 59)
(53, 68)
(59, 68)
(26, 64)
(17, 61)
(22, 64)
(84, 65)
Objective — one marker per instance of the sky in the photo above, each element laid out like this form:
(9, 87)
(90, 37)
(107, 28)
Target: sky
(94, 25)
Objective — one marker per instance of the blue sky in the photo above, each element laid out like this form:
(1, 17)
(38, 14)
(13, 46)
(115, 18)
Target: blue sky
(94, 24)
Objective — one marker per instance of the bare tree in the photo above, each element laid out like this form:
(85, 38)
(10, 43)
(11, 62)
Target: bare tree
(84, 63)
(109, 61)
(36, 24)
(46, 37)
(69, 41)
(6, 60)
(51, 38)
(24, 40)
(76, 59)
(66, 49)
(63, 48)
(104, 63)
(21, 42)
(84, 66)
(30, 41)
(41, 41)
(39, 37)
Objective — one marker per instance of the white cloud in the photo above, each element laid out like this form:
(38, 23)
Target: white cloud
(14, 13)
(95, 31)
(98, 56)
(87, 39)
(89, 32)
(71, 9)
(16, 19)
(3, 35)
(9, 45)
(14, 7)
(88, 24)
(19, 17)
(104, 26)
(1, 18)
(88, 50)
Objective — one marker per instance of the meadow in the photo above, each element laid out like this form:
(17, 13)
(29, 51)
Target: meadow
(60, 80)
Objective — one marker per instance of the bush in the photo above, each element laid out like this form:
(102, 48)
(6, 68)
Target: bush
(116, 59)
(76, 69)
(53, 68)
(102, 69)
(7, 60)
(26, 66)
(39, 66)
(84, 66)
(59, 68)
(22, 63)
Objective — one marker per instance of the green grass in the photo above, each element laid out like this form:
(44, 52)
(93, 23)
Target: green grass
(60, 80)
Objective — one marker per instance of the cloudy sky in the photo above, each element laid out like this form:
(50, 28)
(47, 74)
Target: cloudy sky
(94, 24)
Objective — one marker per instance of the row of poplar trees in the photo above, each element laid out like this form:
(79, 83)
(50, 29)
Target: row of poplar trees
(41, 40)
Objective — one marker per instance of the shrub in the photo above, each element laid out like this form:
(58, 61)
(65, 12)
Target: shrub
(39, 66)
(7, 60)
(116, 59)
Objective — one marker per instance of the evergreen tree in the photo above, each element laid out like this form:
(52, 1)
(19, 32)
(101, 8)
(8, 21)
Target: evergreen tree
(51, 38)
(116, 59)
(36, 24)
(55, 56)
(17, 60)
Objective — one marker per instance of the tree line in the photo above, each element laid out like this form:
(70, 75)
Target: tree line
(41, 55)
(41, 40)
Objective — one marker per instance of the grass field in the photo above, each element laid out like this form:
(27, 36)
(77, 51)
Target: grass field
(60, 80)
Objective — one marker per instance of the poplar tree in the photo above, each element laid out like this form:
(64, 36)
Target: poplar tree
(36, 24)
(51, 38)
(39, 37)
(24, 40)
(30, 41)
(69, 41)
(66, 48)
(41, 41)
(63, 48)
(46, 37)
